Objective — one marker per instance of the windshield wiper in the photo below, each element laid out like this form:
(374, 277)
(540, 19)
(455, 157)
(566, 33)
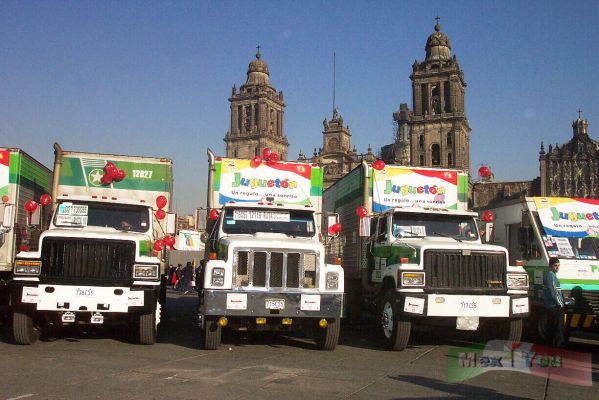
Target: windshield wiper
(447, 236)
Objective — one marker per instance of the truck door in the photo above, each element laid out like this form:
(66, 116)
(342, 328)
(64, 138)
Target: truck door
(378, 245)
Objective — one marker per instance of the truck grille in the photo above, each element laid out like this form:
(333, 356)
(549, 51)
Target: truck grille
(446, 269)
(584, 300)
(272, 269)
(87, 260)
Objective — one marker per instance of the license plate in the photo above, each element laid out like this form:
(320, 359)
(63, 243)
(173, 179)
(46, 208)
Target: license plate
(84, 292)
(275, 304)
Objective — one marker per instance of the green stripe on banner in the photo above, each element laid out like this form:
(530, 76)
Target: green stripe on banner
(316, 183)
(217, 172)
(584, 286)
(463, 188)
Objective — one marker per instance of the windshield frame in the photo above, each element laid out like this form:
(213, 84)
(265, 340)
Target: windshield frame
(121, 217)
(297, 216)
(422, 225)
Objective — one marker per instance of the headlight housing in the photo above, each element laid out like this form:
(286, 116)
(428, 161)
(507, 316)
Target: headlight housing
(28, 267)
(517, 281)
(413, 279)
(141, 271)
(332, 281)
(218, 276)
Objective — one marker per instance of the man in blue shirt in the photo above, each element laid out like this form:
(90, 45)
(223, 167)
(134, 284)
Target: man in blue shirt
(553, 300)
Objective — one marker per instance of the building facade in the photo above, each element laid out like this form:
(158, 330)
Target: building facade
(436, 132)
(257, 112)
(336, 156)
(572, 169)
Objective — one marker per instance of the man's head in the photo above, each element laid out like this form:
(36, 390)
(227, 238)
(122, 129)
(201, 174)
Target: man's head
(554, 264)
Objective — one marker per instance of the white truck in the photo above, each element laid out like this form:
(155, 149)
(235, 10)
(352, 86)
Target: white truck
(101, 259)
(415, 256)
(537, 228)
(265, 267)
(22, 179)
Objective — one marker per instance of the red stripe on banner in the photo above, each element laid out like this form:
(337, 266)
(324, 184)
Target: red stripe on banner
(304, 170)
(594, 202)
(448, 176)
(4, 157)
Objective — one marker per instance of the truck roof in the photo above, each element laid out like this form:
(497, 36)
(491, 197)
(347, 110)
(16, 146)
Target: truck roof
(420, 210)
(269, 206)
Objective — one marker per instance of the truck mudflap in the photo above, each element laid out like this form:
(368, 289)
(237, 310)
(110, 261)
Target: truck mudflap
(449, 305)
(271, 304)
(85, 298)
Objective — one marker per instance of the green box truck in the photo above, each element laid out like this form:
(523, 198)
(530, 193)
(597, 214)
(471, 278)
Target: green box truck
(22, 178)
(98, 262)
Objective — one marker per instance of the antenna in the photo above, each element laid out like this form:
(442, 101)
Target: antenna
(334, 68)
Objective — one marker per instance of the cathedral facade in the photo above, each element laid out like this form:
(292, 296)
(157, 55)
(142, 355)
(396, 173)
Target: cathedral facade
(257, 112)
(436, 132)
(572, 169)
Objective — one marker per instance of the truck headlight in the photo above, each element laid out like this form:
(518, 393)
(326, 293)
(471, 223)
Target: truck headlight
(332, 281)
(517, 281)
(412, 279)
(145, 271)
(28, 267)
(218, 277)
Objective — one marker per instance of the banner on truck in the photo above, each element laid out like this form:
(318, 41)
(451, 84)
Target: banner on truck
(406, 187)
(4, 171)
(568, 217)
(290, 183)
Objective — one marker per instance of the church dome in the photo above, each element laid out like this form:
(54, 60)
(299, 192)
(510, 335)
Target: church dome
(258, 72)
(438, 47)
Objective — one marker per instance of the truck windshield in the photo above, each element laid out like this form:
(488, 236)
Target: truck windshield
(118, 216)
(289, 222)
(458, 227)
(581, 248)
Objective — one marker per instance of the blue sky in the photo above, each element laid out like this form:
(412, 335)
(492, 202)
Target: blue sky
(153, 78)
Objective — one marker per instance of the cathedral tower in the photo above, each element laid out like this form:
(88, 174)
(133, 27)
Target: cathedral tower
(256, 115)
(436, 133)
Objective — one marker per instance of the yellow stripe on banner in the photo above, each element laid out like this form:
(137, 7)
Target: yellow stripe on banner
(588, 321)
(575, 320)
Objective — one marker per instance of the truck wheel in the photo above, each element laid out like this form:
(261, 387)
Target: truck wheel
(212, 334)
(327, 338)
(24, 331)
(395, 329)
(515, 330)
(147, 328)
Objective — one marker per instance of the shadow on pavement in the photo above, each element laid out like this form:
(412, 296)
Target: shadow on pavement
(455, 390)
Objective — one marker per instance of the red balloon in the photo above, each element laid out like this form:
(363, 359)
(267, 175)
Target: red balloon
(484, 171)
(266, 153)
(45, 199)
(161, 201)
(362, 211)
(213, 214)
(160, 214)
(111, 169)
(169, 241)
(274, 157)
(30, 206)
(159, 245)
(256, 161)
(488, 216)
(378, 165)
(120, 175)
(106, 179)
(334, 229)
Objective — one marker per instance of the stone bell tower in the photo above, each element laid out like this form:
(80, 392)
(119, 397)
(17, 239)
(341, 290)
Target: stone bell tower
(256, 115)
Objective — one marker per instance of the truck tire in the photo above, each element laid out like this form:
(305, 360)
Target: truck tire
(395, 330)
(23, 328)
(212, 334)
(514, 333)
(147, 328)
(327, 338)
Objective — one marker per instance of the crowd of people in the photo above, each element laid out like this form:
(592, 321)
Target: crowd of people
(183, 278)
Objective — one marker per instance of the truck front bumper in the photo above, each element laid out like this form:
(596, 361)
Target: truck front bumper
(453, 305)
(84, 298)
(260, 304)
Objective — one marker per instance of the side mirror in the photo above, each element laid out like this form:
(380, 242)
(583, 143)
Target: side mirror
(204, 237)
(171, 223)
(36, 217)
(7, 215)
(333, 228)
